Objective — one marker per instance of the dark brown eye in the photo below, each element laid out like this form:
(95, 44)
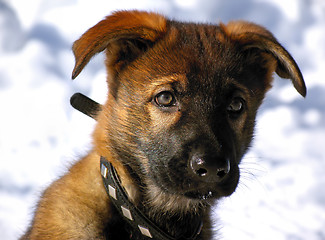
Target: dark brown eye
(165, 99)
(236, 105)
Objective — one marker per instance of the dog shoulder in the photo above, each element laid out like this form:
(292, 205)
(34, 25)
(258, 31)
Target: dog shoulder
(74, 202)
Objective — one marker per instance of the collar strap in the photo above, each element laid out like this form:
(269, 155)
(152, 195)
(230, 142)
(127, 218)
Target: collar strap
(131, 213)
(85, 105)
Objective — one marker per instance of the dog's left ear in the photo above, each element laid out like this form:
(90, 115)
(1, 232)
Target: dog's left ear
(125, 34)
(252, 36)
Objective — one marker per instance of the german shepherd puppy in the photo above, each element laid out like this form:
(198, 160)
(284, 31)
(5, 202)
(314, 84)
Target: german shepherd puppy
(178, 119)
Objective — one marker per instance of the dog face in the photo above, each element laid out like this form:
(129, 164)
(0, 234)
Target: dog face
(182, 100)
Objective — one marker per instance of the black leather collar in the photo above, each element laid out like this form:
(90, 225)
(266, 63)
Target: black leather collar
(138, 221)
(85, 105)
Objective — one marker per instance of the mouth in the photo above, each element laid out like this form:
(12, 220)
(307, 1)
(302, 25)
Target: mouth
(198, 192)
(200, 195)
(192, 193)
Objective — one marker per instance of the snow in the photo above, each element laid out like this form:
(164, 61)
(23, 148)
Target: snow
(281, 194)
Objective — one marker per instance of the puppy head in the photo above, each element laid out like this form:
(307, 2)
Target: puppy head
(182, 100)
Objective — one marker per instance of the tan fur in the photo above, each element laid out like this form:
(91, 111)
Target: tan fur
(76, 206)
(76, 201)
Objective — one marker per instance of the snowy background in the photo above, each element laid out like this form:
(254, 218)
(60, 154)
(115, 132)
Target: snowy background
(282, 190)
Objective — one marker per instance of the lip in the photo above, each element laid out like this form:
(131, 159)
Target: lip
(198, 195)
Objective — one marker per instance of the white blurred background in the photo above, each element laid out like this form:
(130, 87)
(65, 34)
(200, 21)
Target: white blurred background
(282, 190)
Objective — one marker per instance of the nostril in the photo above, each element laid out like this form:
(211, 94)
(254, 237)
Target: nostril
(201, 172)
(221, 173)
(198, 166)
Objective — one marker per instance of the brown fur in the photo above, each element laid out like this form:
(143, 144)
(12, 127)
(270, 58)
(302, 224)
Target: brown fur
(147, 54)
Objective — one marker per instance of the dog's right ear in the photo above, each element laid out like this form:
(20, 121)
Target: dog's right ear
(126, 34)
(254, 37)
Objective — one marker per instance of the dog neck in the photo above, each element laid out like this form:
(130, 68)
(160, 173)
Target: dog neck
(136, 218)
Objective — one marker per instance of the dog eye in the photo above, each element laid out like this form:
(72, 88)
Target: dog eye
(236, 105)
(165, 99)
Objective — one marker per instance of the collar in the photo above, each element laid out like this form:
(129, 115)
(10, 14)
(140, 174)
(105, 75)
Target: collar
(85, 105)
(138, 221)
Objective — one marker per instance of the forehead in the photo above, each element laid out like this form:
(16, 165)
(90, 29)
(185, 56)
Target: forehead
(192, 46)
(200, 53)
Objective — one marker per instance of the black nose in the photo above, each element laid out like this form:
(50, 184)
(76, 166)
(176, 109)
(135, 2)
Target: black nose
(210, 170)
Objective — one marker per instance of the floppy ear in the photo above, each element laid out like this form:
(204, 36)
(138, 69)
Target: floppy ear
(134, 31)
(252, 36)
